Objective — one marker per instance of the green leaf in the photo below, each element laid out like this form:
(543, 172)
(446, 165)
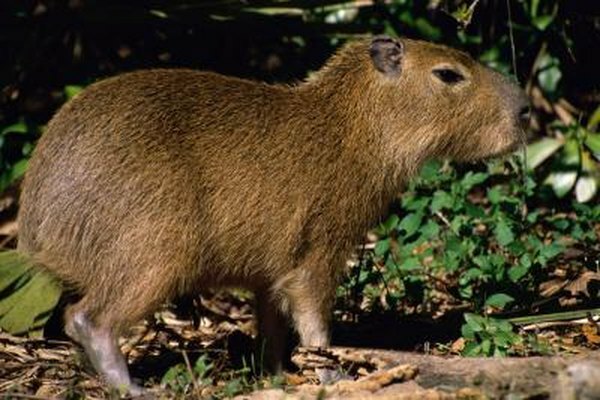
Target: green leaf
(19, 127)
(505, 326)
(495, 195)
(467, 332)
(431, 170)
(472, 349)
(516, 248)
(486, 346)
(594, 120)
(25, 308)
(410, 264)
(550, 74)
(471, 179)
(427, 30)
(415, 203)
(585, 188)
(499, 300)
(533, 12)
(543, 21)
(592, 142)
(540, 151)
(430, 230)
(520, 270)
(441, 200)
(391, 223)
(475, 322)
(471, 274)
(504, 233)
(474, 211)
(382, 247)
(411, 223)
(18, 170)
(72, 91)
(562, 182)
(552, 250)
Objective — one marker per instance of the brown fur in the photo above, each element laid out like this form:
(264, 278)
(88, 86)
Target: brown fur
(161, 182)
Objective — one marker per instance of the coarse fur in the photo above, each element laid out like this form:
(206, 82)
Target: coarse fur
(158, 183)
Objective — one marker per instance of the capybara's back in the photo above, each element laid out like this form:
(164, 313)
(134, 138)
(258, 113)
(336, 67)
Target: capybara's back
(162, 182)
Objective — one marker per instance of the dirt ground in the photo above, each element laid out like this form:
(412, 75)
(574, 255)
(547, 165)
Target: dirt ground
(55, 368)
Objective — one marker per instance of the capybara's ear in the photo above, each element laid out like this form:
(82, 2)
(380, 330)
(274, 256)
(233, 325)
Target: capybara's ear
(386, 54)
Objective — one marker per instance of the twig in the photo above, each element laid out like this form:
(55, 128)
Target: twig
(27, 396)
(512, 39)
(543, 325)
(561, 316)
(188, 365)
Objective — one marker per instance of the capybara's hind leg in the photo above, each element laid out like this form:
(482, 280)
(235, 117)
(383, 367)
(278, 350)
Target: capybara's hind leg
(100, 345)
(272, 333)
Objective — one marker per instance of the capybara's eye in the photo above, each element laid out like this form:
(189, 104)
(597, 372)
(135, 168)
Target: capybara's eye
(448, 75)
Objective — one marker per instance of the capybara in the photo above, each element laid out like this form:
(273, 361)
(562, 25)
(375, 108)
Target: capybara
(163, 182)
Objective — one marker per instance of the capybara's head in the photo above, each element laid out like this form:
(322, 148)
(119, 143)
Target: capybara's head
(432, 100)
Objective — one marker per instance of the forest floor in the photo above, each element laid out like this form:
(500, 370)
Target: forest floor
(206, 357)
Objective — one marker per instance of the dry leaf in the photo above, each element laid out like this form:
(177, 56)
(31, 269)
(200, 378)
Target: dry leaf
(550, 288)
(590, 331)
(458, 345)
(582, 283)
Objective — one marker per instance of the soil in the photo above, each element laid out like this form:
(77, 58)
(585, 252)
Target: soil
(54, 368)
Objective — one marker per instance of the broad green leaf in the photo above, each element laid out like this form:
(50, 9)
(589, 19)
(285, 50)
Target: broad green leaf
(472, 349)
(467, 332)
(471, 274)
(430, 230)
(586, 188)
(18, 170)
(410, 264)
(475, 322)
(411, 223)
(471, 179)
(571, 154)
(486, 346)
(540, 151)
(518, 271)
(474, 211)
(28, 296)
(550, 74)
(594, 120)
(562, 182)
(592, 142)
(391, 223)
(505, 327)
(495, 195)
(13, 267)
(587, 184)
(19, 127)
(382, 246)
(552, 250)
(430, 170)
(441, 200)
(504, 233)
(415, 203)
(499, 300)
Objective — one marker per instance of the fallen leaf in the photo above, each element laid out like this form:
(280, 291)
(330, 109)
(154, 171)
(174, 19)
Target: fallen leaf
(590, 331)
(582, 284)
